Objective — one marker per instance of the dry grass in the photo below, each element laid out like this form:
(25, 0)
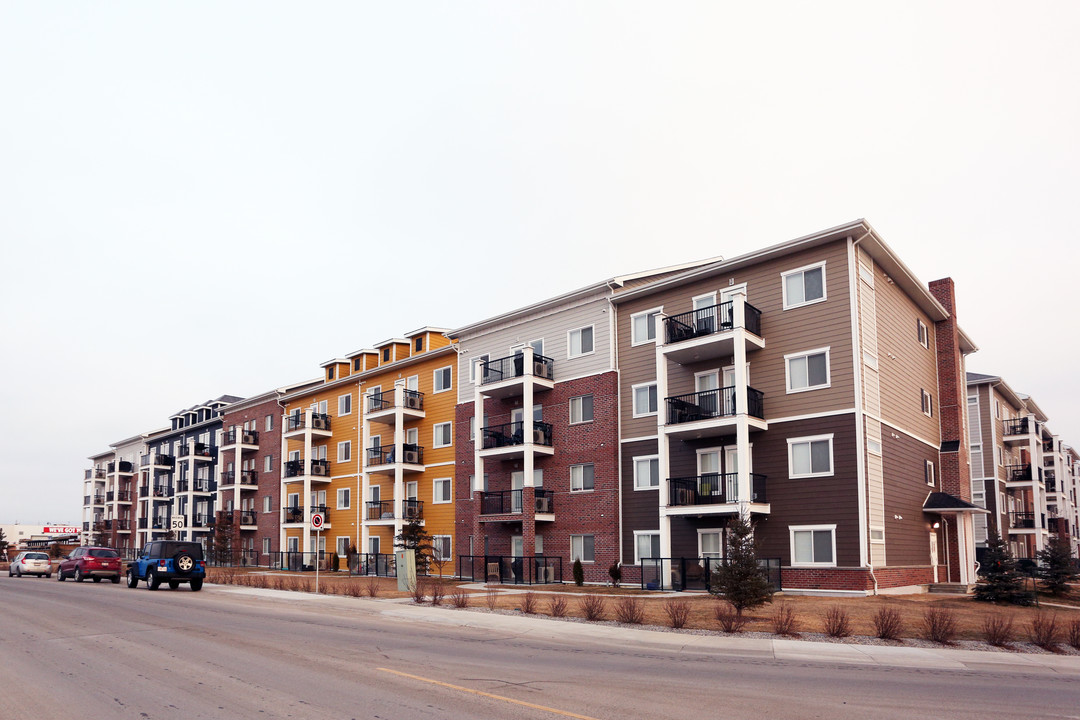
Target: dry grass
(837, 622)
(678, 612)
(729, 619)
(939, 625)
(998, 630)
(630, 610)
(557, 606)
(528, 603)
(592, 607)
(1072, 634)
(459, 598)
(785, 621)
(1044, 631)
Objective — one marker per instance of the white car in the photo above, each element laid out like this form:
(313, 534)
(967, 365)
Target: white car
(31, 563)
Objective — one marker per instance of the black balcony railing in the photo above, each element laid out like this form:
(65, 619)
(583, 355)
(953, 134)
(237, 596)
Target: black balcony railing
(182, 486)
(708, 321)
(1018, 473)
(1016, 426)
(379, 510)
(249, 477)
(109, 496)
(513, 366)
(512, 434)
(501, 502)
(312, 509)
(294, 514)
(159, 523)
(1022, 520)
(158, 459)
(713, 489)
(201, 520)
(201, 485)
(123, 496)
(161, 491)
(248, 517)
(319, 421)
(228, 477)
(143, 523)
(247, 437)
(1048, 446)
(385, 455)
(412, 509)
(296, 468)
(709, 404)
(532, 570)
(683, 573)
(99, 499)
(384, 400)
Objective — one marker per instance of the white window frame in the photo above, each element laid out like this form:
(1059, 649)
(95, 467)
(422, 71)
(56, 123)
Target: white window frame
(348, 500)
(580, 403)
(633, 400)
(268, 503)
(449, 482)
(412, 436)
(435, 435)
(266, 546)
(472, 428)
(268, 463)
(345, 456)
(435, 374)
(342, 401)
(802, 355)
(929, 474)
(810, 439)
(582, 557)
(710, 531)
(798, 271)
(634, 339)
(792, 529)
(922, 333)
(926, 403)
(880, 538)
(474, 367)
(269, 423)
(337, 545)
(870, 443)
(582, 489)
(637, 480)
(436, 553)
(570, 345)
(637, 534)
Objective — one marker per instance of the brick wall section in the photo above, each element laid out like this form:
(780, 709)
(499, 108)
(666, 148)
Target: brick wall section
(576, 513)
(268, 524)
(856, 579)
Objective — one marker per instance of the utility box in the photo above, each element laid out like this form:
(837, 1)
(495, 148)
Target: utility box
(406, 569)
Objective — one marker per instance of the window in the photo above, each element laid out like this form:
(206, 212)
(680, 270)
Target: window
(583, 548)
(330, 373)
(344, 498)
(581, 409)
(810, 457)
(373, 545)
(929, 473)
(873, 446)
(418, 344)
(804, 286)
(644, 399)
(643, 326)
(442, 435)
(472, 428)
(386, 355)
(476, 367)
(269, 423)
(646, 472)
(344, 405)
(268, 463)
(440, 547)
(442, 490)
(268, 503)
(344, 451)
(710, 544)
(927, 404)
(646, 545)
(356, 364)
(292, 543)
(870, 360)
(866, 274)
(580, 342)
(922, 333)
(442, 379)
(266, 546)
(808, 370)
(343, 545)
(813, 545)
(877, 535)
(581, 477)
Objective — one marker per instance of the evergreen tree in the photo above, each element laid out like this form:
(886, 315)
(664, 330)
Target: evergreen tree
(222, 547)
(1057, 567)
(579, 573)
(414, 537)
(739, 579)
(3, 544)
(1001, 580)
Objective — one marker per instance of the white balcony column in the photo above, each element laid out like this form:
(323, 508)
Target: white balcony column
(1038, 490)
(283, 492)
(237, 476)
(663, 442)
(742, 425)
(397, 506)
(528, 433)
(305, 470)
(478, 441)
(365, 478)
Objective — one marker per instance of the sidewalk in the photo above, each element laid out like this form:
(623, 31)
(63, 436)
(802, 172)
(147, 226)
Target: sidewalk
(775, 648)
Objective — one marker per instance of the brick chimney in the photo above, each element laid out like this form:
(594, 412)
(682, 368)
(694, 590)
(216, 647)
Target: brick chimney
(955, 472)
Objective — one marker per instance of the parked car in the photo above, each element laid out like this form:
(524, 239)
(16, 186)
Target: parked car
(30, 562)
(168, 561)
(90, 562)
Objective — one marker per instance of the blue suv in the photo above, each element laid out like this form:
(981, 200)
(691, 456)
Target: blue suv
(170, 561)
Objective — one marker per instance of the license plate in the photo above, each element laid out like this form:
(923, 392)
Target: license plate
(162, 568)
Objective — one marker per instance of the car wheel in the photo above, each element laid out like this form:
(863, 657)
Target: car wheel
(115, 579)
(60, 575)
(183, 563)
(196, 584)
(173, 584)
(97, 579)
(18, 572)
(48, 575)
(133, 579)
(152, 580)
(78, 575)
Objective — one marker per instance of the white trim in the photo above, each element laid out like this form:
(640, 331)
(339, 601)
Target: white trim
(434, 495)
(812, 416)
(450, 554)
(922, 329)
(930, 474)
(347, 506)
(434, 386)
(474, 364)
(871, 450)
(340, 445)
(701, 531)
(824, 286)
(861, 474)
(806, 354)
(656, 326)
(810, 439)
(582, 489)
(635, 460)
(927, 401)
(711, 295)
(569, 333)
(633, 399)
(583, 535)
(637, 534)
(570, 410)
(344, 397)
(643, 438)
(792, 529)
(886, 423)
(448, 462)
(435, 435)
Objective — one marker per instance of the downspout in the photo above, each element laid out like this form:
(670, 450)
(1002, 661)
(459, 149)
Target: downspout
(618, 410)
(853, 274)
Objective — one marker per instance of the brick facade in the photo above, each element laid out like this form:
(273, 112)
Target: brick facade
(267, 523)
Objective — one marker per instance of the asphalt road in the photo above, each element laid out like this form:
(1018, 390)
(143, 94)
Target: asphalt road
(104, 651)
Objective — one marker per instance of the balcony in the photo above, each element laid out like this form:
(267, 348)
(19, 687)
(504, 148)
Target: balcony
(248, 518)
(246, 439)
(1018, 473)
(297, 425)
(709, 333)
(1017, 430)
(96, 473)
(379, 510)
(200, 451)
(381, 459)
(98, 498)
(158, 461)
(505, 377)
(293, 515)
(118, 524)
(122, 467)
(153, 523)
(712, 413)
(201, 485)
(412, 509)
(511, 502)
(123, 496)
(507, 441)
(160, 493)
(380, 406)
(713, 489)
(247, 478)
(1026, 521)
(316, 469)
(1048, 446)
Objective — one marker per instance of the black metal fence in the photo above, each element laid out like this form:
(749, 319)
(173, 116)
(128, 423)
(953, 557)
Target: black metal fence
(712, 489)
(534, 570)
(712, 404)
(710, 320)
(513, 366)
(512, 434)
(695, 573)
(377, 564)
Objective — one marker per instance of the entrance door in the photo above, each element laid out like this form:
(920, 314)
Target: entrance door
(731, 474)
(933, 554)
(709, 479)
(517, 482)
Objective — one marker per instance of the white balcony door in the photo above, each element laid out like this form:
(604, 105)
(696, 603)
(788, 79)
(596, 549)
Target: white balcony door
(517, 546)
(517, 482)
(412, 383)
(412, 436)
(410, 490)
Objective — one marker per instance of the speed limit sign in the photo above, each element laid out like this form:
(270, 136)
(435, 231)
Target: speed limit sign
(316, 521)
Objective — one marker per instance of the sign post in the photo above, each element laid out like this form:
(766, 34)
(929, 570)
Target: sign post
(316, 524)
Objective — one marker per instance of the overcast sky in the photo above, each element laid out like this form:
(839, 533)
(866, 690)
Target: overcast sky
(208, 198)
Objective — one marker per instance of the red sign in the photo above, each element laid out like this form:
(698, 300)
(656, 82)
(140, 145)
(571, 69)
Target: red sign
(60, 530)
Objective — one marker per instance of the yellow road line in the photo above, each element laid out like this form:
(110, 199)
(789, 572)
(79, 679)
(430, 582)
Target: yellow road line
(489, 695)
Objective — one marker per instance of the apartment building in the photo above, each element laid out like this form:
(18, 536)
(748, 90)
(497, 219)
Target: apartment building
(815, 387)
(93, 508)
(116, 528)
(538, 429)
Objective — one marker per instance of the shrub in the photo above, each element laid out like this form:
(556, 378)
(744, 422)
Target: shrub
(615, 572)
(1044, 631)
(785, 621)
(730, 619)
(998, 630)
(438, 592)
(1003, 582)
(492, 598)
(629, 610)
(459, 598)
(677, 611)
(372, 587)
(353, 589)
(1073, 634)
(888, 625)
(837, 622)
(939, 625)
(528, 603)
(325, 589)
(419, 590)
(557, 606)
(593, 607)
(579, 573)
(739, 579)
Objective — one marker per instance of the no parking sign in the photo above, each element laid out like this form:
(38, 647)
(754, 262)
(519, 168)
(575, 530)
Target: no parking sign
(316, 521)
